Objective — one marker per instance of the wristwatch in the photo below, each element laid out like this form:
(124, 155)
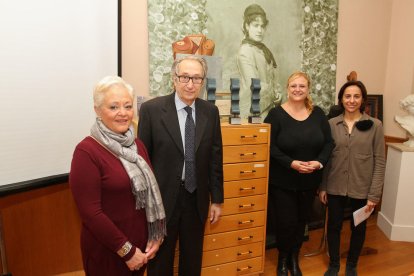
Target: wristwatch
(124, 249)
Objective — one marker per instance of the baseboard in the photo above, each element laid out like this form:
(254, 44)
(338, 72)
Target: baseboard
(395, 232)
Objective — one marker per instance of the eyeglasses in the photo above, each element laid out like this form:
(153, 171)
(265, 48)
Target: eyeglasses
(186, 79)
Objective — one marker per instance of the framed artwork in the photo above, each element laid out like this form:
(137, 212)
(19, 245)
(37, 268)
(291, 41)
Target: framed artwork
(300, 35)
(374, 106)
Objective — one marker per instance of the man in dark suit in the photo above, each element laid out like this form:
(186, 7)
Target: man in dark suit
(186, 197)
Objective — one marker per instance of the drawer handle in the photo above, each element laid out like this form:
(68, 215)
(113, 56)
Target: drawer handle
(246, 205)
(252, 171)
(247, 153)
(246, 221)
(248, 136)
(247, 188)
(244, 268)
(245, 238)
(244, 253)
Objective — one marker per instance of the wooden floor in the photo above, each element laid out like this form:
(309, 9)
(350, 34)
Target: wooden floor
(393, 258)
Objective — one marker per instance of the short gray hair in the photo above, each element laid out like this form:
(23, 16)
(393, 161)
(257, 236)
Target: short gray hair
(175, 67)
(105, 84)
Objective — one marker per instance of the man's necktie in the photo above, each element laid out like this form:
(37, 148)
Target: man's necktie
(189, 154)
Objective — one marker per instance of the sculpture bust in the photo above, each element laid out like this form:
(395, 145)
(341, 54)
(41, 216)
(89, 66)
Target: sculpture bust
(407, 122)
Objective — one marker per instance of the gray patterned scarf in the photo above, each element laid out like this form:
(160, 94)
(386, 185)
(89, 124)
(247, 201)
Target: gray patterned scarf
(143, 182)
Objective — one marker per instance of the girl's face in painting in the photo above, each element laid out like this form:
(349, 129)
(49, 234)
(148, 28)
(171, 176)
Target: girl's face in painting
(256, 29)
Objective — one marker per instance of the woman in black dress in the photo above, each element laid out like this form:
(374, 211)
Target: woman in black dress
(300, 146)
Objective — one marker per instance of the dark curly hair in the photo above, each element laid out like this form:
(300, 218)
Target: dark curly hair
(251, 13)
(363, 92)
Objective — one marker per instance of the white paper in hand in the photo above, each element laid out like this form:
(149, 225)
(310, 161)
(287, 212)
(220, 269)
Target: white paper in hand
(360, 215)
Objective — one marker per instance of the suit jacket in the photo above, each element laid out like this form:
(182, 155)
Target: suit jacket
(159, 130)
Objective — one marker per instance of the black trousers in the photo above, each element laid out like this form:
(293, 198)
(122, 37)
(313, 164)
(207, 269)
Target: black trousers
(336, 207)
(186, 226)
(292, 212)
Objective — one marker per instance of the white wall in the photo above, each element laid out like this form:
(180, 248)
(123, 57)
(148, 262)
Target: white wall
(399, 81)
(363, 35)
(375, 38)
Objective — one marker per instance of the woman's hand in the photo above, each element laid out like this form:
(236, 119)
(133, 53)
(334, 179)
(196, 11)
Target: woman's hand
(323, 197)
(303, 167)
(316, 165)
(370, 205)
(137, 260)
(152, 248)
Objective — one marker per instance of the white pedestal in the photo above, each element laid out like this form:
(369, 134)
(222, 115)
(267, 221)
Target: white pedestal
(396, 218)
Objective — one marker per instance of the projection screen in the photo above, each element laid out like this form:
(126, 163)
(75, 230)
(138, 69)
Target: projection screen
(52, 52)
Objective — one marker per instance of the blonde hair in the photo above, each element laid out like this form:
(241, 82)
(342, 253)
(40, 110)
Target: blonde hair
(308, 100)
(104, 85)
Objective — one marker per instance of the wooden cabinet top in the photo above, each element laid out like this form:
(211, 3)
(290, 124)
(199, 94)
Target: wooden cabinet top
(245, 134)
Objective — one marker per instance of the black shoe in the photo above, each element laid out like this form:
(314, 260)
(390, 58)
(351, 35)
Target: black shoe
(351, 271)
(294, 264)
(332, 271)
(282, 268)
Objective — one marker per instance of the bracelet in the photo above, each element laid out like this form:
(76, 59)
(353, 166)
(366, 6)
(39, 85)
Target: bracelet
(124, 249)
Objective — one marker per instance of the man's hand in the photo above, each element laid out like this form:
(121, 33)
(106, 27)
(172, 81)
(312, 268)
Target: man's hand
(215, 212)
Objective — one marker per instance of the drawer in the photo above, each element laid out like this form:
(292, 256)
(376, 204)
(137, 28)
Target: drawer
(245, 135)
(245, 153)
(245, 171)
(235, 268)
(233, 238)
(245, 187)
(243, 204)
(232, 254)
(236, 222)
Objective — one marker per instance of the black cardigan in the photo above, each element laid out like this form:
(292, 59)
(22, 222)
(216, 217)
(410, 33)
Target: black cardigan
(291, 139)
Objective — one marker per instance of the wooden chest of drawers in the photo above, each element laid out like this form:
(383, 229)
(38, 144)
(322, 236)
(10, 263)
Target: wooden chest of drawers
(236, 244)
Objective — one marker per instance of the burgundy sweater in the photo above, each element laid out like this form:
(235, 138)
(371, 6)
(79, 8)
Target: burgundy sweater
(102, 191)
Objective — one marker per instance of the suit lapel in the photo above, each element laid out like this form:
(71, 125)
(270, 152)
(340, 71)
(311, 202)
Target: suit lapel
(170, 121)
(201, 122)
